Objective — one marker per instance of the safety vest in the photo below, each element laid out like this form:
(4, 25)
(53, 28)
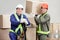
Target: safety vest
(19, 26)
(39, 27)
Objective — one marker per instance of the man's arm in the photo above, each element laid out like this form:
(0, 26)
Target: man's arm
(45, 19)
(36, 19)
(13, 20)
(28, 23)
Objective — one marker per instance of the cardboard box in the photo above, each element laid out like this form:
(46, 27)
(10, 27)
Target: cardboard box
(31, 6)
(51, 29)
(28, 6)
(4, 34)
(4, 21)
(32, 21)
(55, 27)
(31, 33)
(55, 30)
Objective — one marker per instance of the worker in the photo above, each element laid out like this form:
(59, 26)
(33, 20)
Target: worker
(19, 21)
(42, 19)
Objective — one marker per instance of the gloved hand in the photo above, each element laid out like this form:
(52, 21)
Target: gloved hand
(23, 21)
(37, 18)
(22, 35)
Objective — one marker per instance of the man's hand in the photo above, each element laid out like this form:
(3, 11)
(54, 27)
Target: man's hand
(22, 35)
(24, 21)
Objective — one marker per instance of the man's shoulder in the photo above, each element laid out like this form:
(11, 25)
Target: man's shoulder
(48, 15)
(24, 16)
(12, 15)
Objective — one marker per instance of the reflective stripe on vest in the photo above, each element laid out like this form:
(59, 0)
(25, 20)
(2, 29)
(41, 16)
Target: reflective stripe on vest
(19, 26)
(40, 31)
(16, 17)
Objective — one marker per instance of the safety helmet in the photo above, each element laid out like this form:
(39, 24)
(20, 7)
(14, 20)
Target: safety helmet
(19, 6)
(44, 5)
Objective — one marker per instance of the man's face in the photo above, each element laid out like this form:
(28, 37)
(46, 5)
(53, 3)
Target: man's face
(43, 10)
(19, 10)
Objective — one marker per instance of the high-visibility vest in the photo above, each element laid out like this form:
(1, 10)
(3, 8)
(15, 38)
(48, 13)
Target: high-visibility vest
(39, 28)
(19, 26)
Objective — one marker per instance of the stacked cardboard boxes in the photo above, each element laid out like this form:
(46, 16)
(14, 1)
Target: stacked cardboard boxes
(4, 21)
(31, 6)
(4, 34)
(4, 27)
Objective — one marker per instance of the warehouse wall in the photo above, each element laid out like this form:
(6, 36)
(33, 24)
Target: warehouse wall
(8, 6)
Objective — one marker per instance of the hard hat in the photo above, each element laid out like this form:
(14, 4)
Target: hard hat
(19, 6)
(44, 5)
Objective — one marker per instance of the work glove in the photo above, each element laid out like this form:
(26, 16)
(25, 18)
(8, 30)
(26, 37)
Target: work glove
(37, 18)
(22, 35)
(23, 21)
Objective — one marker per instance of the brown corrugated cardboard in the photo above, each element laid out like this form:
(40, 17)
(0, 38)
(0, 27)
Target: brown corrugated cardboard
(32, 21)
(31, 31)
(55, 27)
(4, 34)
(51, 29)
(4, 21)
(55, 30)
(31, 34)
(31, 6)
(28, 6)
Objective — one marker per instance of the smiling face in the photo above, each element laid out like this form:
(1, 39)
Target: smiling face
(43, 10)
(19, 10)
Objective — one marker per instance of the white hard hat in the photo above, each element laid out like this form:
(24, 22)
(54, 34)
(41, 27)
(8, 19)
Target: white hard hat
(19, 6)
